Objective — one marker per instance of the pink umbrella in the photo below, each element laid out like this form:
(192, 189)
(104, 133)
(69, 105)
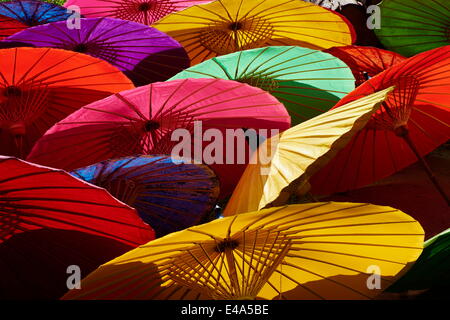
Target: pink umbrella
(142, 11)
(143, 120)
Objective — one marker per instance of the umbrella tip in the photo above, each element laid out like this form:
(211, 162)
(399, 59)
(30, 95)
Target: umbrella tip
(151, 125)
(12, 91)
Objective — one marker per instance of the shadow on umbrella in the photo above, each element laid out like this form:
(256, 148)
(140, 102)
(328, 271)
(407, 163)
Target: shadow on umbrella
(141, 277)
(34, 263)
(159, 66)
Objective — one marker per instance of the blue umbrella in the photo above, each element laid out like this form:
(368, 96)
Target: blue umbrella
(33, 13)
(168, 194)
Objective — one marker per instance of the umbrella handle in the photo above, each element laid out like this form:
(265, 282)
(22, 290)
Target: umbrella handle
(406, 137)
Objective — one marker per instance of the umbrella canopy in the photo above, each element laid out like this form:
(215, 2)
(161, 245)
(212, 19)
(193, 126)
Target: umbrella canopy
(227, 26)
(310, 251)
(142, 11)
(411, 27)
(33, 12)
(39, 87)
(418, 110)
(366, 62)
(50, 220)
(168, 194)
(58, 2)
(308, 82)
(144, 121)
(431, 269)
(297, 154)
(35, 197)
(144, 54)
(9, 26)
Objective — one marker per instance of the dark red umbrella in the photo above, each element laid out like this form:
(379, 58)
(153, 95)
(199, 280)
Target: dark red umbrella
(366, 62)
(50, 220)
(9, 26)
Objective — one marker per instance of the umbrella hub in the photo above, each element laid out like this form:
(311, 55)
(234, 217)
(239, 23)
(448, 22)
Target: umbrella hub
(146, 12)
(81, 48)
(24, 104)
(9, 220)
(12, 91)
(260, 81)
(225, 37)
(151, 125)
(236, 267)
(227, 244)
(395, 112)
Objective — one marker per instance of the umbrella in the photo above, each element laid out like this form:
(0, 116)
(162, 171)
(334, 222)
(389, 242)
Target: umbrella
(35, 197)
(334, 4)
(142, 11)
(431, 269)
(50, 220)
(308, 82)
(297, 154)
(309, 251)
(9, 26)
(144, 54)
(33, 12)
(412, 27)
(145, 120)
(412, 122)
(58, 2)
(39, 87)
(227, 26)
(366, 62)
(168, 194)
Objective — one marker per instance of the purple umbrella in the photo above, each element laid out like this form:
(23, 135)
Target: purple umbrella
(143, 53)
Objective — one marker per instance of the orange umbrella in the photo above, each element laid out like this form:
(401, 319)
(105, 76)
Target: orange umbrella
(410, 124)
(366, 62)
(40, 86)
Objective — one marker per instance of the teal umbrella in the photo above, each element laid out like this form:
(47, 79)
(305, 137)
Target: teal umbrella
(308, 82)
(431, 270)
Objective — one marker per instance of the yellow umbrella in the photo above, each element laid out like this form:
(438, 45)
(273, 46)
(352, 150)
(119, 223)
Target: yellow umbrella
(284, 163)
(307, 251)
(226, 26)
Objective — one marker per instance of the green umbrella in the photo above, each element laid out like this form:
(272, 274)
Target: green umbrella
(308, 82)
(432, 268)
(409, 27)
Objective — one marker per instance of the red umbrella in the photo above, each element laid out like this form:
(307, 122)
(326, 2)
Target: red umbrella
(50, 220)
(366, 62)
(9, 26)
(142, 121)
(41, 86)
(410, 124)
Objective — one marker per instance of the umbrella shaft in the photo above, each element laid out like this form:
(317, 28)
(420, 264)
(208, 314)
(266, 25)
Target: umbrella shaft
(427, 168)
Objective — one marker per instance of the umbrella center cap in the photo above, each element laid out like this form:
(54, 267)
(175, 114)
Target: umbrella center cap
(81, 48)
(146, 6)
(12, 91)
(151, 125)
(236, 26)
(227, 244)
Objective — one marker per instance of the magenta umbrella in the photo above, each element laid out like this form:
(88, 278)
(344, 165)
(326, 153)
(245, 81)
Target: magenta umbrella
(143, 53)
(144, 121)
(143, 11)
